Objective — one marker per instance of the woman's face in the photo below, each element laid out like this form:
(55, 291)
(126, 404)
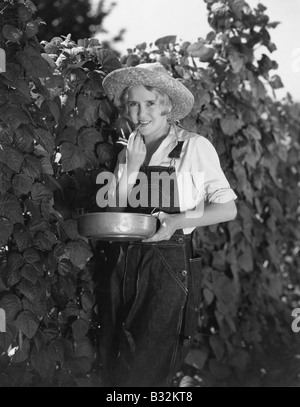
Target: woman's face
(144, 108)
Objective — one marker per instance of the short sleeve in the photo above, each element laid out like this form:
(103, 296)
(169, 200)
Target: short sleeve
(214, 185)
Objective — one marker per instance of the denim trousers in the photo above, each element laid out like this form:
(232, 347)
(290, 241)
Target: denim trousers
(151, 313)
(152, 301)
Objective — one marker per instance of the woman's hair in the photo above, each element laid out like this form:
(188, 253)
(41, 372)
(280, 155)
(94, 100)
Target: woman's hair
(163, 99)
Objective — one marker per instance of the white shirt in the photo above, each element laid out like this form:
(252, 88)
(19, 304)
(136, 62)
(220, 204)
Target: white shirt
(200, 177)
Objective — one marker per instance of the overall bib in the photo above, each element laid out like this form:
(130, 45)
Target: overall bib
(155, 301)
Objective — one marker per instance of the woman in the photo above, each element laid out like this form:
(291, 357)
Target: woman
(155, 290)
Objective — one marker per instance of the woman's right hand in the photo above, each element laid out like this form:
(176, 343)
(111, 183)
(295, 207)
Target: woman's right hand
(136, 150)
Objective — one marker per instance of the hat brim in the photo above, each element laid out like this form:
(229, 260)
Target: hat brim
(153, 75)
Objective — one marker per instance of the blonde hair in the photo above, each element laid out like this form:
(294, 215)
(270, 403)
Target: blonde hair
(163, 99)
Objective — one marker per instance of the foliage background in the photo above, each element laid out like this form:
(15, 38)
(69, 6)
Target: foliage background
(58, 131)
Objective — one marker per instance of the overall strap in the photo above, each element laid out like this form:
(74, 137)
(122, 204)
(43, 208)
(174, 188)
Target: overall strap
(175, 153)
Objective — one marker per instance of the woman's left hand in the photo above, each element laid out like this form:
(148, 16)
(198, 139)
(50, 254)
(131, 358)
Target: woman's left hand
(167, 228)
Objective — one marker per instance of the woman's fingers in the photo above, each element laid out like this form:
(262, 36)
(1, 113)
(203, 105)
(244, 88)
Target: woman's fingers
(166, 230)
(136, 148)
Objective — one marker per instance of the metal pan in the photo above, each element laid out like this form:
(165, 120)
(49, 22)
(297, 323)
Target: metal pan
(117, 226)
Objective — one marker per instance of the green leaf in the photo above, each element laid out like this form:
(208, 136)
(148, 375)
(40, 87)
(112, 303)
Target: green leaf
(55, 110)
(56, 350)
(31, 6)
(10, 208)
(246, 259)
(219, 370)
(18, 98)
(79, 253)
(108, 60)
(13, 116)
(43, 363)
(243, 181)
(6, 340)
(79, 366)
(203, 52)
(32, 167)
(28, 289)
(276, 82)
(252, 133)
(45, 138)
(217, 345)
(42, 241)
(240, 359)
(13, 71)
(10, 276)
(84, 348)
(72, 157)
(195, 49)
(236, 61)
(71, 228)
(28, 323)
(197, 358)
(87, 300)
(12, 33)
(23, 139)
(14, 158)
(208, 296)
(132, 60)
(31, 29)
(168, 39)
(23, 353)
(31, 256)
(22, 237)
(5, 178)
(6, 229)
(47, 165)
(69, 134)
(223, 288)
(15, 261)
(33, 62)
(24, 13)
(64, 267)
(21, 184)
(88, 108)
(80, 328)
(95, 83)
(38, 225)
(39, 192)
(22, 86)
(105, 153)
(30, 273)
(3, 98)
(230, 125)
(11, 305)
(88, 138)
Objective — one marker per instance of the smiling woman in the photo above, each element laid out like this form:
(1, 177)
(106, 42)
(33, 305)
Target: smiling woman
(155, 317)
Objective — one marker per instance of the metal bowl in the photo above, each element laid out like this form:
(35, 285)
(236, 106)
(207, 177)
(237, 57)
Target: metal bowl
(117, 226)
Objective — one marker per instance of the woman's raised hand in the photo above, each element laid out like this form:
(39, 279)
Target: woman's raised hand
(136, 150)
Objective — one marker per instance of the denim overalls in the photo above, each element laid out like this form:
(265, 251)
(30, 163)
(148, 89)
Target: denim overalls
(155, 299)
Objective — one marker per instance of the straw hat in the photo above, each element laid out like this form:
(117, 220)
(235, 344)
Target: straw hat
(155, 75)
